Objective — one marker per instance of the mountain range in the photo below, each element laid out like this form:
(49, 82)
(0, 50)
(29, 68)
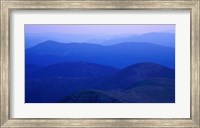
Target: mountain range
(158, 38)
(127, 69)
(163, 39)
(118, 55)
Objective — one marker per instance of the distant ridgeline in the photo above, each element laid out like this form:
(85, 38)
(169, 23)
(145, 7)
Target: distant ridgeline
(132, 72)
(119, 55)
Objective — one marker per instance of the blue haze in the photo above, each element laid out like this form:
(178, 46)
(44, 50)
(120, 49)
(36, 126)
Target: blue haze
(100, 63)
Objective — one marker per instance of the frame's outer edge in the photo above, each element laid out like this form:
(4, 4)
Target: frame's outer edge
(0, 59)
(4, 64)
(97, 0)
(195, 64)
(198, 60)
(102, 4)
(5, 121)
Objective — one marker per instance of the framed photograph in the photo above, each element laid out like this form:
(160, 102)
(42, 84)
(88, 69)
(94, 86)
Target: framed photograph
(100, 63)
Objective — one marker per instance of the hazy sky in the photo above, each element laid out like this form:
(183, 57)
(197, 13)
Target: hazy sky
(98, 29)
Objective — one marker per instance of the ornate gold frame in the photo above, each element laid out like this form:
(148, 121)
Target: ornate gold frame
(8, 5)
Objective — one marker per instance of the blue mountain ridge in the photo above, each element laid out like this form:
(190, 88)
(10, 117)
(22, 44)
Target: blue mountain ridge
(119, 55)
(159, 38)
(70, 69)
(163, 39)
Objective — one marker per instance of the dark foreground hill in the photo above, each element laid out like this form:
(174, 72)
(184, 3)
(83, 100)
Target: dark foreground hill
(156, 90)
(142, 82)
(89, 96)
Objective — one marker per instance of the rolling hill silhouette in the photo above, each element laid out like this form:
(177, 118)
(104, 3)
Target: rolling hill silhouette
(119, 55)
(74, 69)
(139, 71)
(155, 90)
(51, 90)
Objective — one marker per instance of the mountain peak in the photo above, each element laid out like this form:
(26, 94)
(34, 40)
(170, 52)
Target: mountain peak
(147, 69)
(50, 42)
(47, 44)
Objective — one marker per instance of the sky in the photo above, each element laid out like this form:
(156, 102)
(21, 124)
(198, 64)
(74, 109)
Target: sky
(98, 29)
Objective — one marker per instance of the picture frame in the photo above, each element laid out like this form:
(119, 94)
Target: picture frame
(6, 8)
